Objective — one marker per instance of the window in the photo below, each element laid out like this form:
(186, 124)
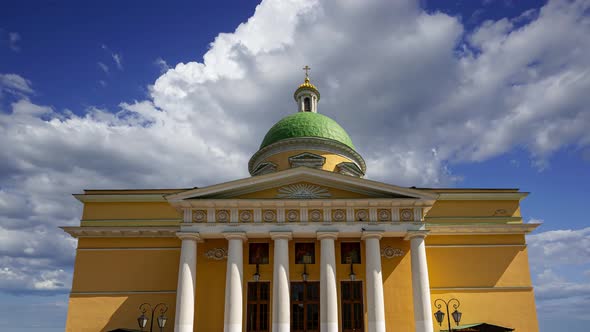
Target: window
(307, 104)
(352, 306)
(350, 252)
(258, 307)
(305, 253)
(305, 306)
(258, 253)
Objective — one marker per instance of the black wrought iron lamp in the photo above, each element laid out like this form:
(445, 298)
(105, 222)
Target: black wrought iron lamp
(256, 275)
(162, 319)
(351, 275)
(306, 260)
(439, 315)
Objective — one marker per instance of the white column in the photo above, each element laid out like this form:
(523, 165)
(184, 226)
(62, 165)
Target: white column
(233, 282)
(420, 283)
(185, 291)
(281, 313)
(374, 286)
(328, 288)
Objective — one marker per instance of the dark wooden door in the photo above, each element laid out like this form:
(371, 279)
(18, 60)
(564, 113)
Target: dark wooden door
(305, 306)
(352, 306)
(258, 307)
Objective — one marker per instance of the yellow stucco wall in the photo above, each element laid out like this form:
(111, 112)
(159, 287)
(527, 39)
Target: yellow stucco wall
(94, 313)
(475, 208)
(509, 308)
(129, 210)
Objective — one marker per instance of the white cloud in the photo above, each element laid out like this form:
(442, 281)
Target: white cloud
(162, 64)
(13, 39)
(559, 259)
(104, 67)
(117, 57)
(118, 60)
(14, 84)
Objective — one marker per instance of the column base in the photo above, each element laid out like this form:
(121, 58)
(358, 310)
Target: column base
(235, 327)
(187, 327)
(376, 326)
(424, 326)
(329, 327)
(281, 327)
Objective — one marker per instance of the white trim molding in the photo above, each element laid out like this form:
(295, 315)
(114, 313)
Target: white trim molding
(89, 231)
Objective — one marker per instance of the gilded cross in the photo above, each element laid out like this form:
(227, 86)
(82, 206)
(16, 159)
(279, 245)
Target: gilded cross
(306, 68)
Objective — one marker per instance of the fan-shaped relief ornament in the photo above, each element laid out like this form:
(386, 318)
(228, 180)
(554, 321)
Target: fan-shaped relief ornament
(407, 214)
(216, 254)
(315, 215)
(292, 215)
(389, 252)
(199, 216)
(339, 215)
(269, 216)
(303, 190)
(384, 215)
(246, 216)
(222, 216)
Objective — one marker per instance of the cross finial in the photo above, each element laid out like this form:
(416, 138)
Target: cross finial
(306, 68)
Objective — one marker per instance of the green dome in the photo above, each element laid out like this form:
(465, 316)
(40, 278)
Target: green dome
(306, 124)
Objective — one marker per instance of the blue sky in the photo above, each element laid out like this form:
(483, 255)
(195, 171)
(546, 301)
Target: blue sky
(152, 94)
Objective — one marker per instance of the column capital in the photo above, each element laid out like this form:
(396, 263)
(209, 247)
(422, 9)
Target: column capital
(195, 236)
(372, 235)
(418, 233)
(327, 235)
(281, 235)
(235, 235)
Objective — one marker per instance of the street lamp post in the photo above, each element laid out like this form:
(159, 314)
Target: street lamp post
(439, 315)
(142, 320)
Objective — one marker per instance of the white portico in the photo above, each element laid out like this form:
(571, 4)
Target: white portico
(217, 212)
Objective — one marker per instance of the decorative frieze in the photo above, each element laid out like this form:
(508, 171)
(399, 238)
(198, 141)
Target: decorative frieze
(383, 215)
(406, 215)
(269, 216)
(326, 214)
(339, 215)
(292, 215)
(246, 216)
(315, 215)
(222, 216)
(199, 216)
(361, 215)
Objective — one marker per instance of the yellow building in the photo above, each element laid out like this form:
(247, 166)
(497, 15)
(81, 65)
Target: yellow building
(304, 244)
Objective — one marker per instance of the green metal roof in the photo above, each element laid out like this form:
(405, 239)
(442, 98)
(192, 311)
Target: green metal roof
(306, 124)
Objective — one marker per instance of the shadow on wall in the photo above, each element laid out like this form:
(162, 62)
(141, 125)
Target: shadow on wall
(124, 318)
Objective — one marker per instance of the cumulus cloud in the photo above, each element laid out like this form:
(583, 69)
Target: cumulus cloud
(558, 261)
(415, 91)
(14, 84)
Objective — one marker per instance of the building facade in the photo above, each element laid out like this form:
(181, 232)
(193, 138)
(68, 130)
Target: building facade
(304, 244)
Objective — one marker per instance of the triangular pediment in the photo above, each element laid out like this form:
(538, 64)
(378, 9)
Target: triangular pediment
(302, 183)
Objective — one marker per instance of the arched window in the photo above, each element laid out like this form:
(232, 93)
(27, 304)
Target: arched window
(307, 104)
